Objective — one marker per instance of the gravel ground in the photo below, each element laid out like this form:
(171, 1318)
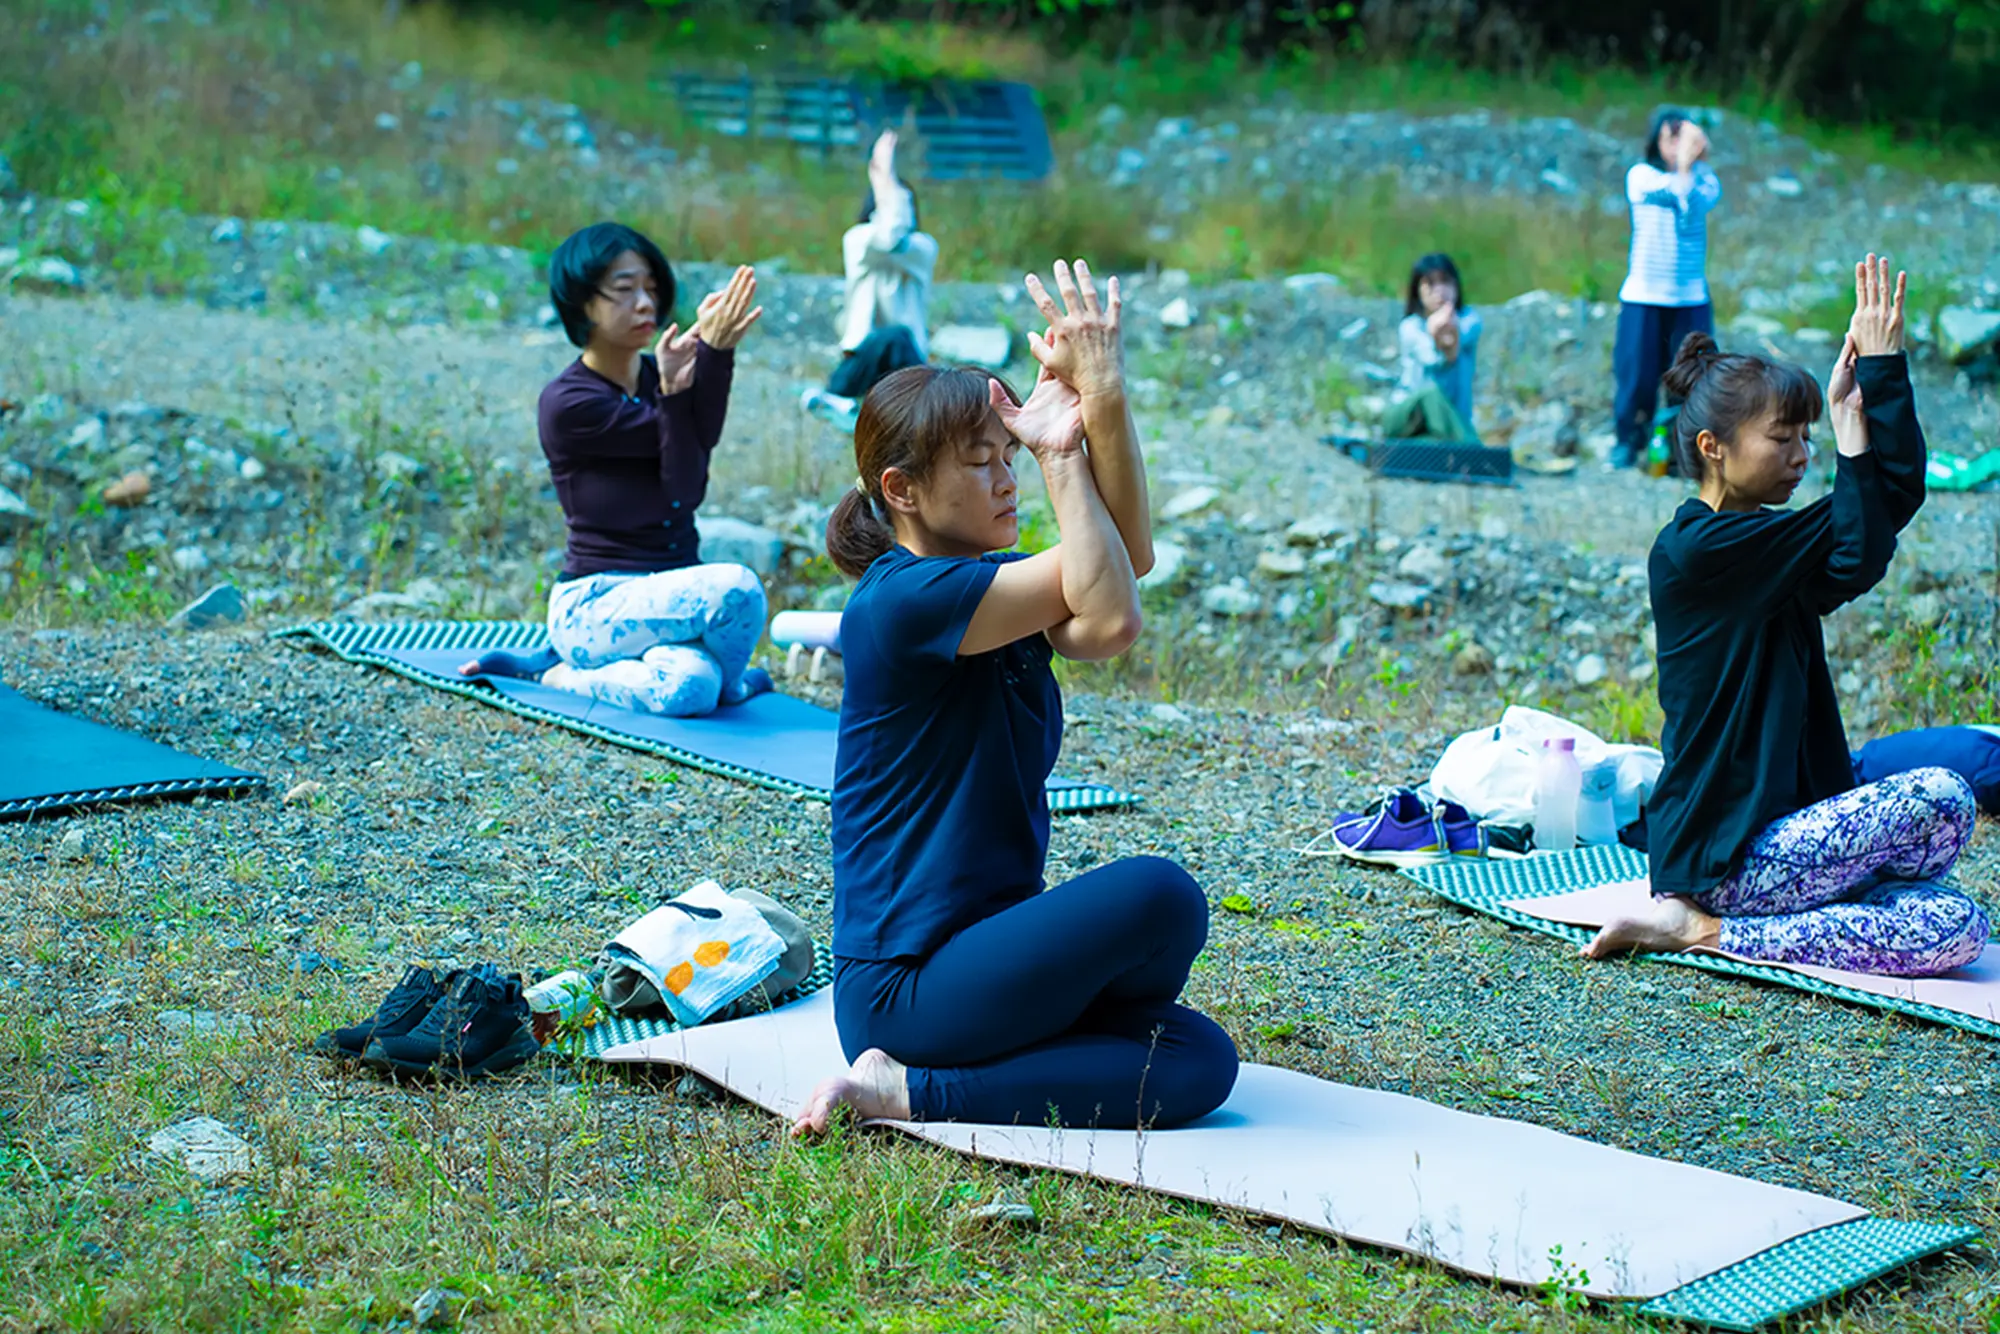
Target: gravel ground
(448, 831)
(451, 832)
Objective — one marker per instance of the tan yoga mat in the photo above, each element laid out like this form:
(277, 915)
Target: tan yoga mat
(1972, 990)
(1487, 1196)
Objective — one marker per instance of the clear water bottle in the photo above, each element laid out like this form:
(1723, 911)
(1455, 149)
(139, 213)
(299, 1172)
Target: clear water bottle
(1558, 790)
(567, 998)
(1596, 807)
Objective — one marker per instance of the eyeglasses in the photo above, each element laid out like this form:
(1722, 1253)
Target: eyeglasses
(629, 296)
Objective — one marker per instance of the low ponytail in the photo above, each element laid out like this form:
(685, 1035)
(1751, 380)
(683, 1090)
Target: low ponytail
(855, 538)
(909, 421)
(1722, 392)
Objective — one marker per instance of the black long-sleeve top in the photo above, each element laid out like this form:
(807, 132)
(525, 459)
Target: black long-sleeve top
(1753, 727)
(631, 469)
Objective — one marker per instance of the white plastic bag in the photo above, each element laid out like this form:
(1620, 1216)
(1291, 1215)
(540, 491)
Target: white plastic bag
(1491, 772)
(700, 951)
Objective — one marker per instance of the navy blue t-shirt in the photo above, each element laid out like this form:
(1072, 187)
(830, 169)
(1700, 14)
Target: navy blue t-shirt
(940, 818)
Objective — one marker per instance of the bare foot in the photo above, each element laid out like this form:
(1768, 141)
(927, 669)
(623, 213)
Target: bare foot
(876, 1085)
(1670, 925)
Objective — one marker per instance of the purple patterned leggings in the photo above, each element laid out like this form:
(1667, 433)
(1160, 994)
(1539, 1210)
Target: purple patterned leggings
(1849, 882)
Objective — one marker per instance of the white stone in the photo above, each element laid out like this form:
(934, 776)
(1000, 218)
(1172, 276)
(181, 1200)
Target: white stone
(1785, 187)
(1167, 713)
(251, 470)
(1309, 282)
(203, 1145)
(75, 845)
(1315, 530)
(1757, 326)
(372, 241)
(1590, 669)
(1423, 564)
(1558, 182)
(1191, 501)
(1963, 333)
(1177, 314)
(49, 275)
(1281, 564)
(397, 466)
(1231, 599)
(728, 541)
(12, 506)
(220, 603)
(1813, 337)
(986, 345)
(1169, 564)
(1399, 596)
(387, 120)
(227, 231)
(87, 434)
(189, 560)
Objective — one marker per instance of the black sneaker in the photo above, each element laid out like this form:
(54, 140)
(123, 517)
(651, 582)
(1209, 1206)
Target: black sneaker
(479, 1028)
(400, 1011)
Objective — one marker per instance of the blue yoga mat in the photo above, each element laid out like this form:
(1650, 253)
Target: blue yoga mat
(53, 762)
(772, 740)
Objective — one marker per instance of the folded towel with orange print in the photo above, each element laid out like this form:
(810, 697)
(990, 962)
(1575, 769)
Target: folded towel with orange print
(694, 954)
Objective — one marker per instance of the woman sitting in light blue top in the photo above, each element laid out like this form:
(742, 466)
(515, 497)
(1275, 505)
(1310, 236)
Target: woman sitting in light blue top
(1439, 346)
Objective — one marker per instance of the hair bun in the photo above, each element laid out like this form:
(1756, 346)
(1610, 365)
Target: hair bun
(1698, 354)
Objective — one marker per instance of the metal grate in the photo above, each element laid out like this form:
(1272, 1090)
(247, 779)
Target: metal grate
(1443, 461)
(966, 130)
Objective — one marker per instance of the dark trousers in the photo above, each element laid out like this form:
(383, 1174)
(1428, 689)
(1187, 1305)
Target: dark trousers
(1648, 338)
(1063, 1006)
(883, 352)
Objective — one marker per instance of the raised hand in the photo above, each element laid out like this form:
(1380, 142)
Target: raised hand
(1084, 347)
(1049, 424)
(1690, 145)
(882, 158)
(1877, 327)
(1843, 402)
(724, 317)
(675, 353)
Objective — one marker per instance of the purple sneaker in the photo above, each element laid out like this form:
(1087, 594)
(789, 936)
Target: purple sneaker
(1401, 831)
(1463, 836)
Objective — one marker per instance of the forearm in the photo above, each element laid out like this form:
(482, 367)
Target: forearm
(1895, 434)
(1098, 584)
(1118, 467)
(706, 406)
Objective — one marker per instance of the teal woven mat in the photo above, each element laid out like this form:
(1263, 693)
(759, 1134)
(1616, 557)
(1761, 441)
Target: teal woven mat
(616, 1031)
(1804, 1272)
(386, 645)
(1485, 885)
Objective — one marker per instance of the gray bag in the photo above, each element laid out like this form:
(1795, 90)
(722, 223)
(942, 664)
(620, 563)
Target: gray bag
(627, 991)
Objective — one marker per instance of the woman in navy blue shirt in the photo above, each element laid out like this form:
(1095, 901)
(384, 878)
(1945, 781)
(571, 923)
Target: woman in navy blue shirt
(964, 990)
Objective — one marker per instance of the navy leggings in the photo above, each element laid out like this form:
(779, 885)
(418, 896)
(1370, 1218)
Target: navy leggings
(1060, 1006)
(1648, 338)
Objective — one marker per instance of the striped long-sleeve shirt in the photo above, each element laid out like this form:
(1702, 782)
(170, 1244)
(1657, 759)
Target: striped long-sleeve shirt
(1669, 235)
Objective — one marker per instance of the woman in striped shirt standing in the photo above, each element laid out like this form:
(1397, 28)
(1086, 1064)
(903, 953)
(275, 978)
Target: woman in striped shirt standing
(1665, 296)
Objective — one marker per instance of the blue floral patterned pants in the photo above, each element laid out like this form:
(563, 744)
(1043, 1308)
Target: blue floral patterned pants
(675, 642)
(1850, 882)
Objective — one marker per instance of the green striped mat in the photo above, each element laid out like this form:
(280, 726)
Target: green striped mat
(1487, 884)
(378, 644)
(1804, 1272)
(616, 1030)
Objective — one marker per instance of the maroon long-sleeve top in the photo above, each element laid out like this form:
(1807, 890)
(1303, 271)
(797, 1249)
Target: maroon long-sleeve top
(631, 469)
